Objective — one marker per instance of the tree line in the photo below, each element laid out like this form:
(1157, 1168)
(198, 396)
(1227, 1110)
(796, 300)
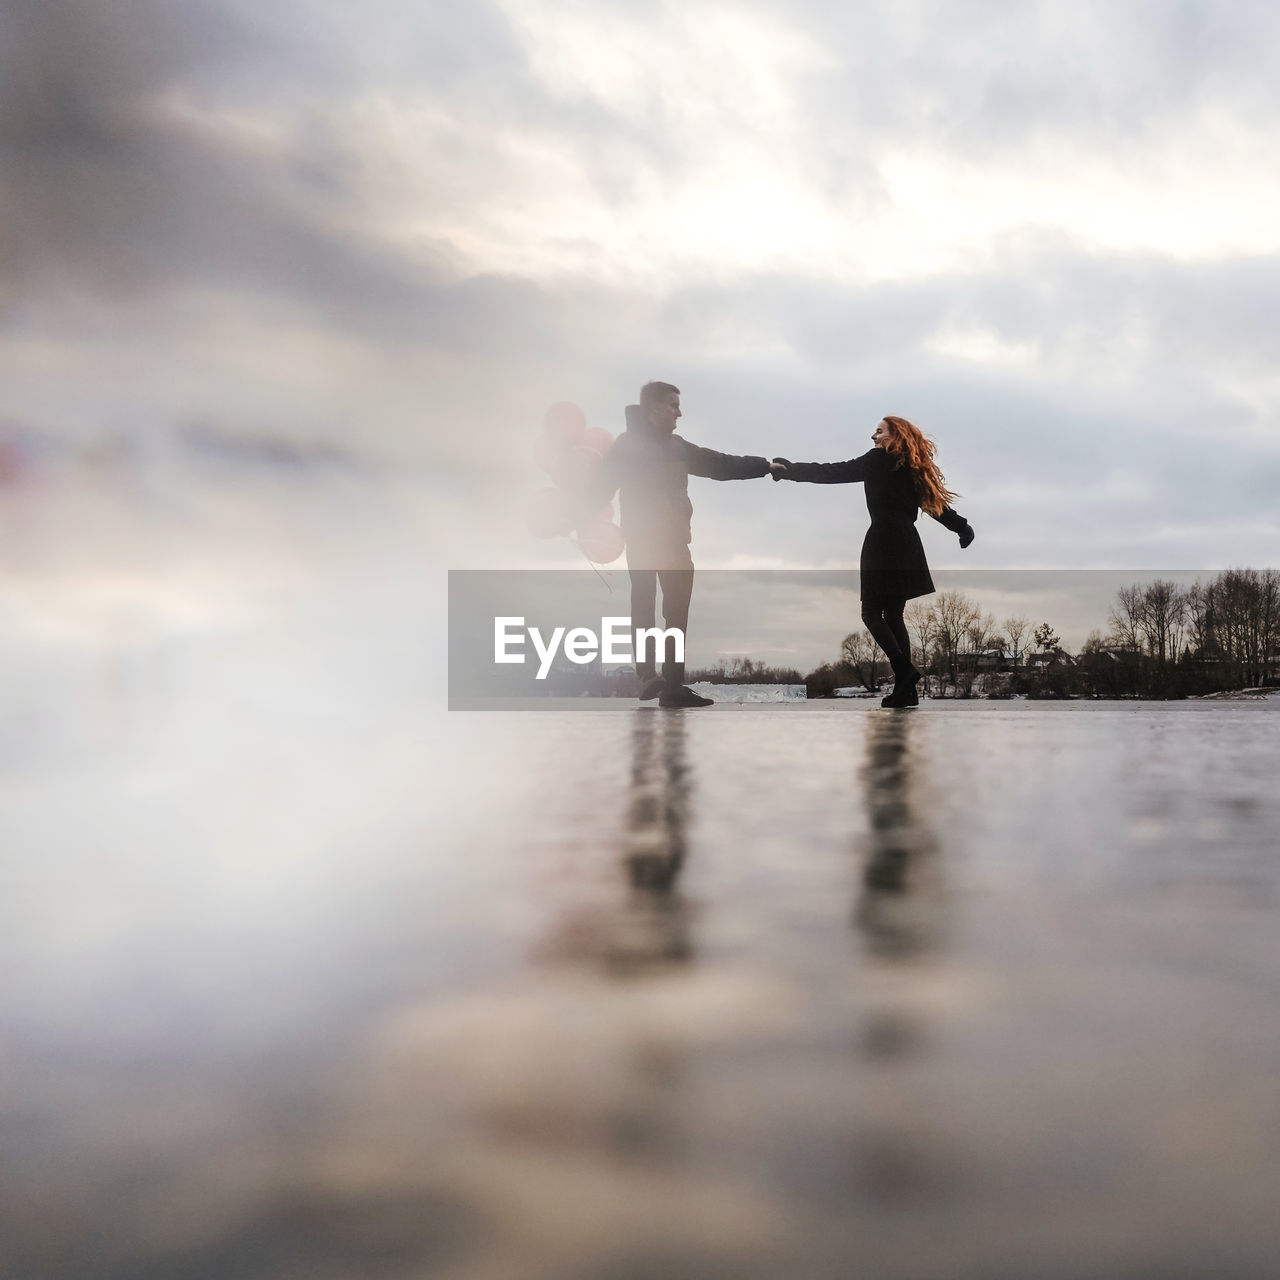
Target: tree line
(742, 670)
(1162, 641)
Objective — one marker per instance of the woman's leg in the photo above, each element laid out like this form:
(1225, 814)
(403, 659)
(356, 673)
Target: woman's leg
(895, 623)
(882, 631)
(883, 618)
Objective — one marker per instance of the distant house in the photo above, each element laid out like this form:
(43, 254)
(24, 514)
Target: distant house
(1048, 658)
(1118, 655)
(992, 660)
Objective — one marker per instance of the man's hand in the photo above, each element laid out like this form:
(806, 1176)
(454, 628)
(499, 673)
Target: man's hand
(966, 536)
(778, 468)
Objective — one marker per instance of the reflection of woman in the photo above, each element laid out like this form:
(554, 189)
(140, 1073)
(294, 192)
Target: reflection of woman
(901, 479)
(898, 910)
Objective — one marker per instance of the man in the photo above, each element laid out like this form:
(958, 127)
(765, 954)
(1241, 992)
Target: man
(652, 465)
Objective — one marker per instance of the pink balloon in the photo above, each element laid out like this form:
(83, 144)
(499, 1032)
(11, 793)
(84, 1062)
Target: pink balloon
(601, 542)
(576, 468)
(549, 513)
(565, 423)
(599, 439)
(546, 452)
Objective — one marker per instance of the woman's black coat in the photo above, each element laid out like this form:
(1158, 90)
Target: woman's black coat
(893, 564)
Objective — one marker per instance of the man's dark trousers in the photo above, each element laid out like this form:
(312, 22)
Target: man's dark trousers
(672, 568)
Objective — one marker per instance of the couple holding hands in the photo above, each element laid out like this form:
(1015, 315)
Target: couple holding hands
(650, 465)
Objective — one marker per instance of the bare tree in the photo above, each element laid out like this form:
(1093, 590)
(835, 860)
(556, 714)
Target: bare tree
(1015, 628)
(858, 650)
(975, 641)
(1151, 619)
(1241, 620)
(1164, 610)
(1198, 617)
(951, 614)
(1126, 618)
(918, 617)
(980, 632)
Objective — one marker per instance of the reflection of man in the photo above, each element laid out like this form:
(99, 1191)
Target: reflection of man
(652, 465)
(651, 929)
(656, 930)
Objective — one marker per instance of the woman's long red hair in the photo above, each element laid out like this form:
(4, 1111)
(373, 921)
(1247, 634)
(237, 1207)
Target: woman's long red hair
(915, 448)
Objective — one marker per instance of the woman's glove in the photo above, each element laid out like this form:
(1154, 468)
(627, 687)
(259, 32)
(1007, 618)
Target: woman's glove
(778, 468)
(966, 535)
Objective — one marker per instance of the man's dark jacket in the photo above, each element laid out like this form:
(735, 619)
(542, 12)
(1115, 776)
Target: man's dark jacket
(892, 563)
(652, 469)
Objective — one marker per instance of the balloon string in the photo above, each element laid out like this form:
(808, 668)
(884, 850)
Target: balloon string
(592, 563)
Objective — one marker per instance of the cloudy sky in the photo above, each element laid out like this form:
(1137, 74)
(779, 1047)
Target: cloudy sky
(1049, 233)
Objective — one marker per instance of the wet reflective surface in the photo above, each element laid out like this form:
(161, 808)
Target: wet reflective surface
(983, 989)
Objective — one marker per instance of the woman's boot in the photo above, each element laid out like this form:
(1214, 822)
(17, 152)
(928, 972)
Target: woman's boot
(905, 677)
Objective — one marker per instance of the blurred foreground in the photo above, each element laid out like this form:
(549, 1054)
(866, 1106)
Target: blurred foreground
(304, 976)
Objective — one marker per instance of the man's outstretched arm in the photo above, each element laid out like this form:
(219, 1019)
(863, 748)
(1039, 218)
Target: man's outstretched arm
(724, 466)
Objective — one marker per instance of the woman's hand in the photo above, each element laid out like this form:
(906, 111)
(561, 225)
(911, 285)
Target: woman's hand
(778, 468)
(966, 535)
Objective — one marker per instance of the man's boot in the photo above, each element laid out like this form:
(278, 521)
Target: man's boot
(650, 687)
(682, 696)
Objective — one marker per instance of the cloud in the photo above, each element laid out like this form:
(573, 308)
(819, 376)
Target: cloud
(1043, 233)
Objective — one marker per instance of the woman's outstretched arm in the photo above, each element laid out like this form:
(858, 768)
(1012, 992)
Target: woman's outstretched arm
(852, 472)
(954, 521)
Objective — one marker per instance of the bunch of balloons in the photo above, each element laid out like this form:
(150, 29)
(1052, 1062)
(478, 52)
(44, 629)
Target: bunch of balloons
(572, 453)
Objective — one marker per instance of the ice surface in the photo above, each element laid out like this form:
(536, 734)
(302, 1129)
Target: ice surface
(303, 975)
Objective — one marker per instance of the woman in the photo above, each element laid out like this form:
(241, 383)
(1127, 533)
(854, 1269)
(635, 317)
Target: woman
(901, 479)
